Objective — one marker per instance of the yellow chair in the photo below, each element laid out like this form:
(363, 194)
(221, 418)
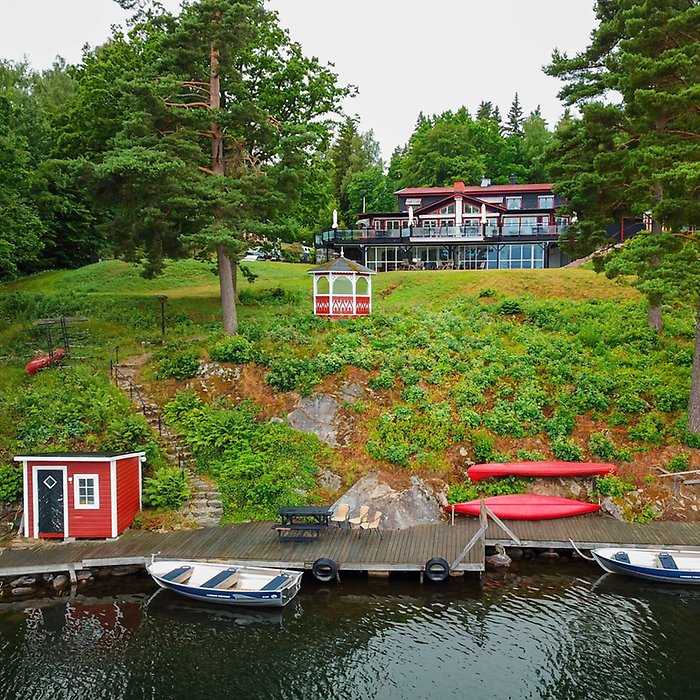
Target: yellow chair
(340, 516)
(373, 524)
(361, 517)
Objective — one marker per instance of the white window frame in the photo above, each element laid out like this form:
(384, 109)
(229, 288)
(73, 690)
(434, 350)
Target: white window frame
(76, 491)
(514, 200)
(545, 196)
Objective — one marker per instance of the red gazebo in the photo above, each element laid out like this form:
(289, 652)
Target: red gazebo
(342, 288)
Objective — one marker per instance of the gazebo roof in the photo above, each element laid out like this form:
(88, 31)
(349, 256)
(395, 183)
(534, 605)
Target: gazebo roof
(343, 266)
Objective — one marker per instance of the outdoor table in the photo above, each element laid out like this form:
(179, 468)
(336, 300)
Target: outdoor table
(301, 523)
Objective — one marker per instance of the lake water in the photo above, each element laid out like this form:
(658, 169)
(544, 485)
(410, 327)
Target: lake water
(539, 632)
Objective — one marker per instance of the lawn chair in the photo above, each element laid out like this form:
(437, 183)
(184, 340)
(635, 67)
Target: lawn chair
(340, 517)
(361, 516)
(373, 524)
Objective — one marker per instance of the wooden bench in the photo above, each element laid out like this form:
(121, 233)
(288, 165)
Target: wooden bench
(298, 532)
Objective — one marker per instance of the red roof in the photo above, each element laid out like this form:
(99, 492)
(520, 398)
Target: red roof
(475, 190)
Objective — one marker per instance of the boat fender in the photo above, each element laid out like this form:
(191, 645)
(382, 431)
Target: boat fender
(324, 570)
(437, 570)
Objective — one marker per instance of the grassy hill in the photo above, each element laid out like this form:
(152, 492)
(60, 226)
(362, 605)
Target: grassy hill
(482, 366)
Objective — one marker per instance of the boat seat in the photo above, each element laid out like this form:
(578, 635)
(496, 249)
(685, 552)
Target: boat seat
(667, 561)
(622, 557)
(276, 582)
(179, 575)
(224, 579)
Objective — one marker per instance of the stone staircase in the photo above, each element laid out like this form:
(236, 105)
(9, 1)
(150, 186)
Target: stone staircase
(203, 507)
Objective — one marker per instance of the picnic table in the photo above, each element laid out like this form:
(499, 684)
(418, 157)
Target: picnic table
(301, 523)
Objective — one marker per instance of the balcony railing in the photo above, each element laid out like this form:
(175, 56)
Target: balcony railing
(452, 234)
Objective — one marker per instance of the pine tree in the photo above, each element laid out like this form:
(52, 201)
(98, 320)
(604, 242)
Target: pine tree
(514, 125)
(639, 154)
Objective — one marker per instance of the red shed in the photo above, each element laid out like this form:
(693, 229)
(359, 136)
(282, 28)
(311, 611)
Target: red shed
(80, 494)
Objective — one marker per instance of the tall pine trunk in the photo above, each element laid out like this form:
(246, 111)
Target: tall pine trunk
(227, 269)
(694, 403)
(655, 315)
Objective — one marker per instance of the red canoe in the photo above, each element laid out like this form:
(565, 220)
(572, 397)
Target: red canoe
(482, 471)
(43, 361)
(527, 506)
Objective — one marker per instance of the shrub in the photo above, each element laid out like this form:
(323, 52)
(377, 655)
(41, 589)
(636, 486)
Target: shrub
(486, 292)
(127, 433)
(650, 429)
(483, 446)
(630, 403)
(602, 446)
(566, 450)
(287, 374)
(509, 307)
(501, 419)
(561, 423)
(679, 463)
(329, 363)
(503, 487)
(646, 514)
(182, 364)
(530, 456)
(612, 486)
(460, 493)
(166, 489)
(10, 483)
(236, 350)
(384, 380)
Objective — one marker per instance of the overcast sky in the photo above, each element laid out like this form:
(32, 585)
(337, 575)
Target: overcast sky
(404, 56)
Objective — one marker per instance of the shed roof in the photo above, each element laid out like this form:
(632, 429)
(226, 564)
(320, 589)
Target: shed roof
(78, 456)
(342, 265)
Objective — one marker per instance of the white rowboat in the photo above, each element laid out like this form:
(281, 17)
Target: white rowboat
(227, 583)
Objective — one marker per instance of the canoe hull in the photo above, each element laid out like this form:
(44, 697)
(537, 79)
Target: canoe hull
(527, 507)
(248, 592)
(645, 564)
(540, 469)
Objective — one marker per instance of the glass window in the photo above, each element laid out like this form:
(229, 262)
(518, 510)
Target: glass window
(514, 202)
(545, 202)
(87, 494)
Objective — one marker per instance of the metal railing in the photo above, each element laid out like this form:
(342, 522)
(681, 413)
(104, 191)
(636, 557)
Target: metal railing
(147, 409)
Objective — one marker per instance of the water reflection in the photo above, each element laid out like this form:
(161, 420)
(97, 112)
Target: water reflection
(531, 633)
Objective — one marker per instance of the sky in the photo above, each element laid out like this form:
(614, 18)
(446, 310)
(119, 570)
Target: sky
(404, 56)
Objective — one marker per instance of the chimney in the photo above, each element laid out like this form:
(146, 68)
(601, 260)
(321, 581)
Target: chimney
(485, 182)
(511, 179)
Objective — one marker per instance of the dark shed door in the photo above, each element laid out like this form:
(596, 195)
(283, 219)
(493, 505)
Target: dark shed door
(50, 500)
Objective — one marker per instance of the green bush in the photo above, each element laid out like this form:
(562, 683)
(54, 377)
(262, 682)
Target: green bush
(166, 489)
(486, 292)
(562, 422)
(646, 514)
(650, 429)
(509, 307)
(127, 433)
(384, 380)
(182, 364)
(10, 483)
(530, 456)
(461, 493)
(612, 486)
(603, 447)
(236, 349)
(288, 373)
(566, 450)
(679, 463)
(483, 446)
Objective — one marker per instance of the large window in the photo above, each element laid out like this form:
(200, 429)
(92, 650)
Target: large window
(384, 258)
(514, 203)
(545, 202)
(86, 491)
(516, 257)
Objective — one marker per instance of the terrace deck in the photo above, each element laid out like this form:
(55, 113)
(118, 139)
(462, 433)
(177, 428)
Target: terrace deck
(397, 550)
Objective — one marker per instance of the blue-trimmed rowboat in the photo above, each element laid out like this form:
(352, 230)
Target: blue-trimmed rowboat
(227, 583)
(665, 565)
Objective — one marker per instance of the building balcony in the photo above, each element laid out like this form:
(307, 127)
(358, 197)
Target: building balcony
(439, 234)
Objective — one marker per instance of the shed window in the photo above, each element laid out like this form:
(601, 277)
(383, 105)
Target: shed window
(87, 492)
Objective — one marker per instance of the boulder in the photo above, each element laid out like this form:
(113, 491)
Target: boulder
(499, 560)
(416, 505)
(23, 581)
(317, 414)
(59, 582)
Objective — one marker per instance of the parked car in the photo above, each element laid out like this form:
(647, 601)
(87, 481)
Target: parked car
(252, 255)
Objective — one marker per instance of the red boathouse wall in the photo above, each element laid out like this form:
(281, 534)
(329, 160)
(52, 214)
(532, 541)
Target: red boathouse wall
(117, 479)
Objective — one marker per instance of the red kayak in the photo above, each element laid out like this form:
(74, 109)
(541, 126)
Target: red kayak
(483, 471)
(527, 506)
(43, 361)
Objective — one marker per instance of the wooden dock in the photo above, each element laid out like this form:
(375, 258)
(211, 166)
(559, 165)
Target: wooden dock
(397, 550)
(257, 544)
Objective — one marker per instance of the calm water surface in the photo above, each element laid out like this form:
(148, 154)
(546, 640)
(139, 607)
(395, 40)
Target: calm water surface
(533, 633)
